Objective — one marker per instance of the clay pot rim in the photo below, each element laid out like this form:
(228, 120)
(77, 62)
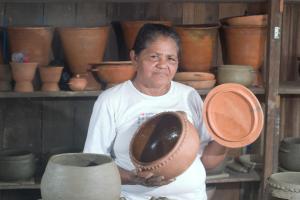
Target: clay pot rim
(172, 152)
(30, 27)
(235, 67)
(245, 93)
(197, 26)
(145, 21)
(112, 63)
(281, 180)
(56, 66)
(289, 142)
(15, 155)
(244, 26)
(75, 28)
(263, 16)
(26, 63)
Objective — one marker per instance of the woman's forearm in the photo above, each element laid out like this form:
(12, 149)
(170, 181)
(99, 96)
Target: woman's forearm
(213, 155)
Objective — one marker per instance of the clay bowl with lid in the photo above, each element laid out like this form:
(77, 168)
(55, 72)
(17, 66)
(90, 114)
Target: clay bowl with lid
(255, 20)
(165, 145)
(193, 76)
(233, 115)
(114, 72)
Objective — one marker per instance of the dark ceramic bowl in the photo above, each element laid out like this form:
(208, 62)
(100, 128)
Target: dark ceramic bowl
(16, 165)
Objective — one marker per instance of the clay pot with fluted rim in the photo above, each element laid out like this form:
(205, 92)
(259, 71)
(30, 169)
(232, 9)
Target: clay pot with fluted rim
(34, 42)
(77, 83)
(198, 46)
(50, 76)
(79, 176)
(5, 78)
(23, 74)
(83, 46)
(165, 144)
(131, 29)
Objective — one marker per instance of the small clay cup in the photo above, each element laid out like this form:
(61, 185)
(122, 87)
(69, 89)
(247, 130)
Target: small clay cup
(50, 77)
(78, 83)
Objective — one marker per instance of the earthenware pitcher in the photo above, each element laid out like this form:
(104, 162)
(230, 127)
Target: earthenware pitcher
(81, 176)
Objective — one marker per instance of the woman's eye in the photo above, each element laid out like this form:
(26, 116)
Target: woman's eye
(154, 57)
(173, 60)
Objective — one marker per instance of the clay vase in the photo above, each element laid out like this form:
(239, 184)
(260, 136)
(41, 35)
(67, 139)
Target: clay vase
(23, 74)
(83, 46)
(5, 78)
(77, 83)
(165, 144)
(16, 165)
(78, 176)
(50, 77)
(198, 46)
(289, 154)
(131, 29)
(34, 42)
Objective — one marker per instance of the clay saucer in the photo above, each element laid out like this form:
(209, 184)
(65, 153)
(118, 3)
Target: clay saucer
(193, 76)
(233, 115)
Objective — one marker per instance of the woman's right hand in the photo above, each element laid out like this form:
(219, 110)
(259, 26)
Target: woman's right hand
(147, 179)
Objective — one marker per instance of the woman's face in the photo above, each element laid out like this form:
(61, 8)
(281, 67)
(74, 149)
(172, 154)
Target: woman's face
(157, 64)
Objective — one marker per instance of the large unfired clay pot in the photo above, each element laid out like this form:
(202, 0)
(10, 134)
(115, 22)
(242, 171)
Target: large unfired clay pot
(198, 46)
(289, 154)
(79, 176)
(34, 42)
(165, 144)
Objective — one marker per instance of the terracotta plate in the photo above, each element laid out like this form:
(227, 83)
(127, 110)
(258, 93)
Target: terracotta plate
(233, 115)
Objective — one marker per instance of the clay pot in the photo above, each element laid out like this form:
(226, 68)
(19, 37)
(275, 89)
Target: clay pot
(16, 165)
(165, 144)
(78, 176)
(77, 83)
(285, 185)
(198, 46)
(193, 76)
(50, 77)
(83, 46)
(5, 78)
(23, 74)
(251, 161)
(200, 84)
(244, 45)
(289, 154)
(131, 29)
(256, 20)
(235, 74)
(34, 42)
(114, 72)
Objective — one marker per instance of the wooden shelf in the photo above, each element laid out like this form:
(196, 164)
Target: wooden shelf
(291, 87)
(233, 177)
(133, 1)
(31, 184)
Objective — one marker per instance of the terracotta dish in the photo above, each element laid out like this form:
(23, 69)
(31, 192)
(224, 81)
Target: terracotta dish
(233, 115)
(258, 20)
(193, 76)
(166, 144)
(200, 84)
(114, 72)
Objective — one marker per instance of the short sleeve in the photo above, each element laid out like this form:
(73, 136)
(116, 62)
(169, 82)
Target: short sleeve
(101, 131)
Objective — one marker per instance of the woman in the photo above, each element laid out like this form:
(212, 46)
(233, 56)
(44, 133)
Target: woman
(120, 110)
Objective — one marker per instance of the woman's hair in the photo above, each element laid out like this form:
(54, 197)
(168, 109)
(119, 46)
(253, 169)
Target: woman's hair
(150, 32)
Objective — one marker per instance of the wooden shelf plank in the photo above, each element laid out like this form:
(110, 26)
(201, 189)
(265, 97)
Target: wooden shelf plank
(133, 1)
(31, 184)
(233, 177)
(291, 87)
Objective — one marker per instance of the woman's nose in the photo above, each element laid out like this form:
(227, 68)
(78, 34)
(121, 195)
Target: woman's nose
(162, 63)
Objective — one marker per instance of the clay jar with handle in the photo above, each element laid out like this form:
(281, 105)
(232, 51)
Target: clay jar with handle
(34, 42)
(50, 76)
(289, 154)
(131, 29)
(23, 74)
(81, 176)
(165, 144)
(198, 46)
(5, 78)
(77, 83)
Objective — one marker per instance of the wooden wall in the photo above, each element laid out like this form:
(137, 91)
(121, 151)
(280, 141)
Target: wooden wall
(42, 124)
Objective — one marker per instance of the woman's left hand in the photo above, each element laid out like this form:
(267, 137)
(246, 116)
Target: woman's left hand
(151, 180)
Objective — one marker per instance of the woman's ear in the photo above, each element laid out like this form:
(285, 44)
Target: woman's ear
(132, 57)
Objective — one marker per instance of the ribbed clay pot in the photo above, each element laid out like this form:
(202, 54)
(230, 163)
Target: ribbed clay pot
(165, 144)
(23, 74)
(198, 46)
(50, 77)
(16, 165)
(83, 46)
(34, 42)
(131, 29)
(5, 78)
(289, 154)
(78, 176)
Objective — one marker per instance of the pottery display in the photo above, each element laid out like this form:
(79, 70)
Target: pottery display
(83, 46)
(77, 83)
(78, 176)
(34, 42)
(166, 144)
(285, 185)
(50, 77)
(23, 74)
(233, 115)
(16, 165)
(236, 74)
(256, 20)
(289, 154)
(200, 84)
(193, 76)
(131, 29)
(114, 72)
(198, 46)
(5, 78)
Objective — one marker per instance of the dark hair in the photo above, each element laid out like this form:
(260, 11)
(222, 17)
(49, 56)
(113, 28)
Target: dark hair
(149, 32)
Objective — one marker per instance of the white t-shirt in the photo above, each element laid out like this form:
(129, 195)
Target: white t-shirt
(117, 114)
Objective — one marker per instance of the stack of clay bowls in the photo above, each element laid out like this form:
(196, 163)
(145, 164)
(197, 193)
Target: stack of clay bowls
(289, 154)
(197, 80)
(243, 41)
